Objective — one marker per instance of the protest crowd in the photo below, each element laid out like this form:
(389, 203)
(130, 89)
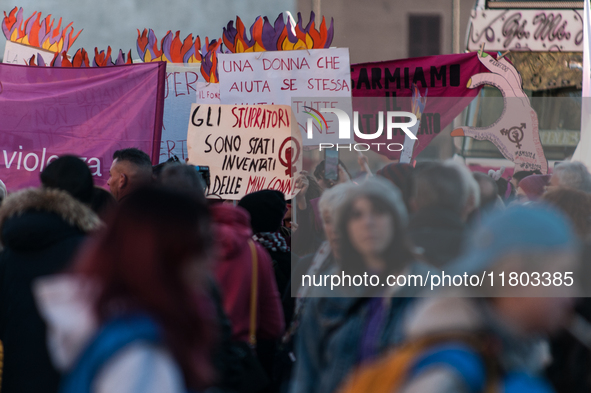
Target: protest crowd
(194, 220)
(151, 287)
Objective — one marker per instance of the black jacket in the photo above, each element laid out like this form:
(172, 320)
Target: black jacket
(40, 230)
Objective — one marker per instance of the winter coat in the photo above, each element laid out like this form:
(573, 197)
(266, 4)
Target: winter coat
(328, 343)
(518, 358)
(40, 230)
(233, 271)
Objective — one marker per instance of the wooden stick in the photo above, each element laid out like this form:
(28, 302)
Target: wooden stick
(503, 55)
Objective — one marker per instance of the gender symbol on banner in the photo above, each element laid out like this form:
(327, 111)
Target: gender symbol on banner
(521, 145)
(514, 134)
(290, 159)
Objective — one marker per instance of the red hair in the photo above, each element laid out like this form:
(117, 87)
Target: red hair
(141, 260)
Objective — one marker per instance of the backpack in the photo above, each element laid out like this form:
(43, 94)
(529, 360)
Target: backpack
(471, 355)
(113, 337)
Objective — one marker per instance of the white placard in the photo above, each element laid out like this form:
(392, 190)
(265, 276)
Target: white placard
(248, 148)
(21, 54)
(278, 77)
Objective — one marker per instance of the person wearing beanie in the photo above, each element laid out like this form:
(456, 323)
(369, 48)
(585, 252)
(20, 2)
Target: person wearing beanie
(460, 321)
(353, 325)
(532, 188)
(40, 230)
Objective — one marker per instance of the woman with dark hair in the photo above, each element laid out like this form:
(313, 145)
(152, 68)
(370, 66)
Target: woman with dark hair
(338, 333)
(134, 316)
(371, 225)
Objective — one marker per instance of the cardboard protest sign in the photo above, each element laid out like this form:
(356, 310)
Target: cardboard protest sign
(89, 112)
(515, 133)
(34, 37)
(445, 76)
(248, 148)
(278, 77)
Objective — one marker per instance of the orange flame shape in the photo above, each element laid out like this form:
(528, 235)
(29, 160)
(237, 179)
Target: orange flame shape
(280, 36)
(81, 59)
(171, 50)
(38, 32)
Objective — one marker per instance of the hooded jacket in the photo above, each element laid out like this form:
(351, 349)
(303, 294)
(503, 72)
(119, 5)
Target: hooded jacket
(40, 230)
(233, 271)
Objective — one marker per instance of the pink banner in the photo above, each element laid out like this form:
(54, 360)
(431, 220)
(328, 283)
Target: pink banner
(445, 77)
(88, 112)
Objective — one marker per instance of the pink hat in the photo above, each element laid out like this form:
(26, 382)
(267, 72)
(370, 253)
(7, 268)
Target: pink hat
(533, 185)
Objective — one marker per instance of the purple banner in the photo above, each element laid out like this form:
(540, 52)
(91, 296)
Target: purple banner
(88, 112)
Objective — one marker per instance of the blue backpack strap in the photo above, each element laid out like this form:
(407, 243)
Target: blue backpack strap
(525, 383)
(112, 337)
(460, 357)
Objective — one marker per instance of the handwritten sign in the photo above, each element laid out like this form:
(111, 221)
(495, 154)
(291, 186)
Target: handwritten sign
(21, 54)
(527, 30)
(279, 76)
(248, 148)
(208, 93)
(180, 87)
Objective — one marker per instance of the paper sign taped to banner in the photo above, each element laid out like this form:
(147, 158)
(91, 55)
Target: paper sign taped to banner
(276, 77)
(208, 93)
(248, 148)
(21, 54)
(181, 85)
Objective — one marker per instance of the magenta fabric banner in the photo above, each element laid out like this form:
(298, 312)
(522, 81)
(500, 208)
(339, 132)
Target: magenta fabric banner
(445, 77)
(88, 112)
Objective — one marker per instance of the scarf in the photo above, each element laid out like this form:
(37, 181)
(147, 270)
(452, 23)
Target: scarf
(272, 241)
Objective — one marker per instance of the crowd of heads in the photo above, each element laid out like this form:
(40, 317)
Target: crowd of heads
(160, 247)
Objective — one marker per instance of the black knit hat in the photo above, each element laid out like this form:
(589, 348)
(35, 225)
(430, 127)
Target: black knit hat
(70, 174)
(266, 209)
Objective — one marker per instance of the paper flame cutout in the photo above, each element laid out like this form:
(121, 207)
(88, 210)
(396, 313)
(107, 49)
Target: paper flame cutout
(81, 59)
(36, 32)
(280, 36)
(172, 49)
(209, 65)
(187, 51)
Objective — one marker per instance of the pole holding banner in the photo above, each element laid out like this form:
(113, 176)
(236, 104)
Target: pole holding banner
(418, 104)
(583, 150)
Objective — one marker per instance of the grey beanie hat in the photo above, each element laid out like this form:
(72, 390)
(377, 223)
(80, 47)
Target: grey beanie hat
(375, 187)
